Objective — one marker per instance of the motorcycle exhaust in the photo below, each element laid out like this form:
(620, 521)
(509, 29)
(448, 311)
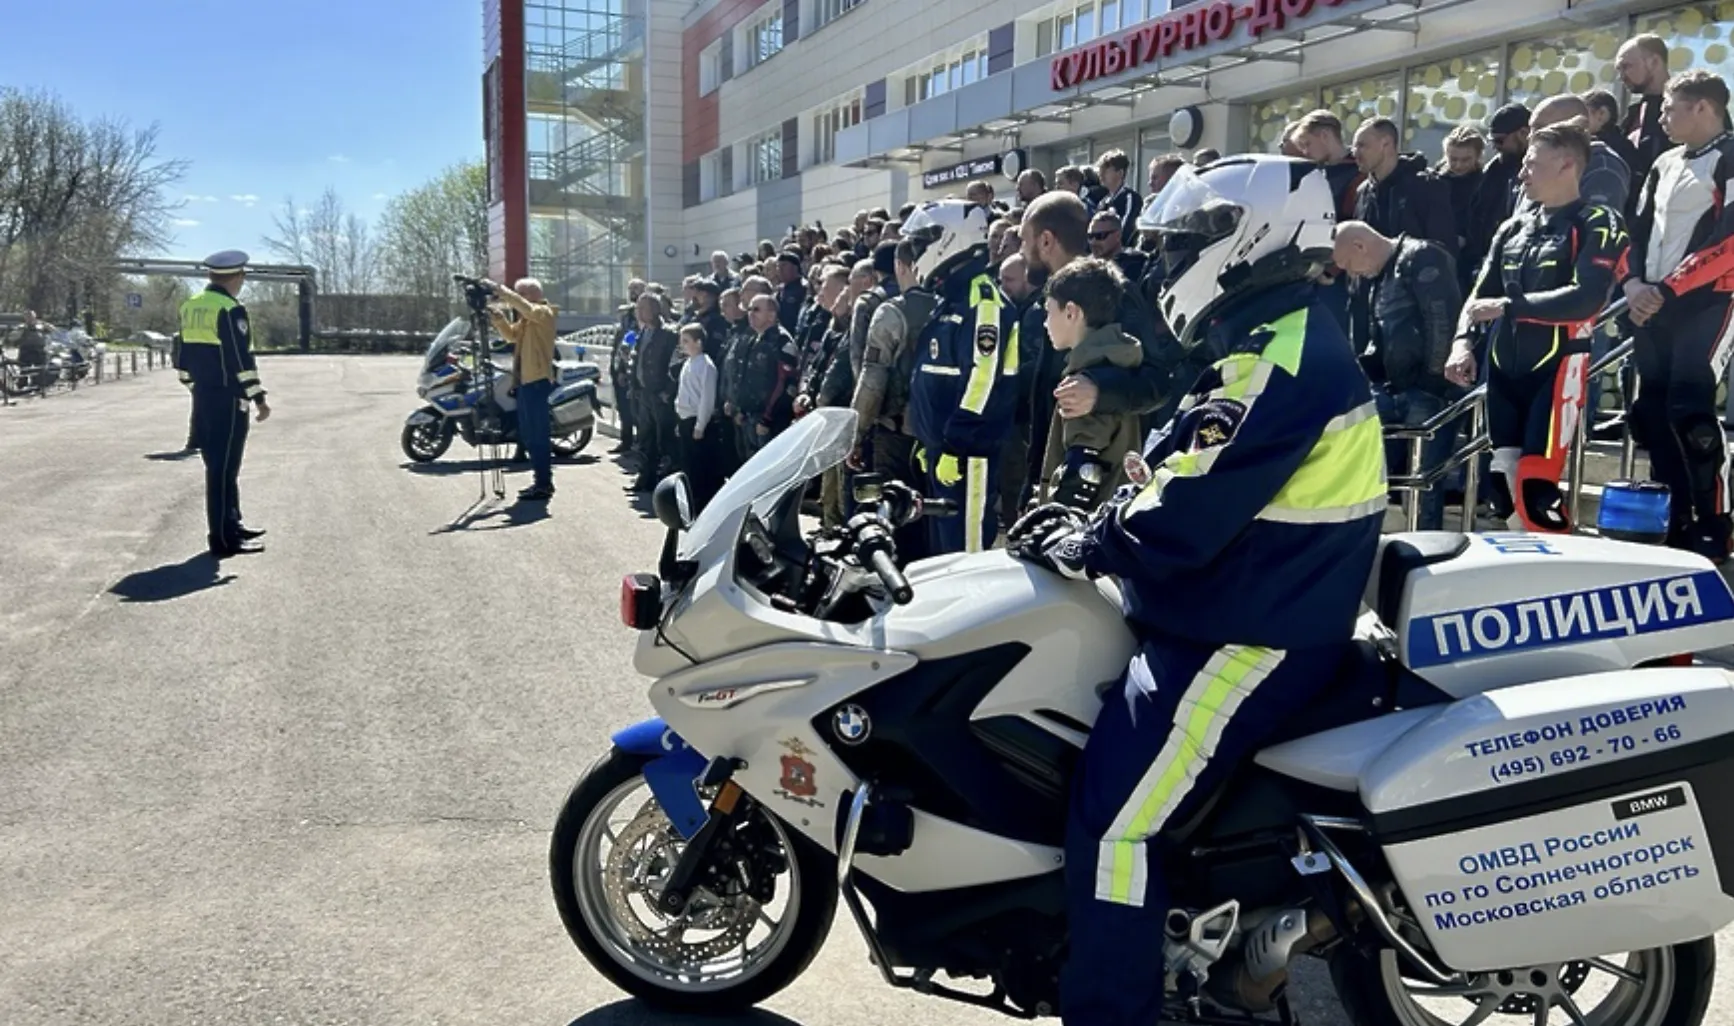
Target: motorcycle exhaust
(1257, 973)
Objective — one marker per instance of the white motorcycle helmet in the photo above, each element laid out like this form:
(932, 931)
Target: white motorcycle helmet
(946, 233)
(1239, 226)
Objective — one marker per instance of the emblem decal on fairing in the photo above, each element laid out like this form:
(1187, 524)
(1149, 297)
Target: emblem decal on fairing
(800, 781)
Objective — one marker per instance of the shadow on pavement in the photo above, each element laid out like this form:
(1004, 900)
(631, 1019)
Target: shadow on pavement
(172, 581)
(464, 467)
(621, 1013)
(178, 456)
(487, 515)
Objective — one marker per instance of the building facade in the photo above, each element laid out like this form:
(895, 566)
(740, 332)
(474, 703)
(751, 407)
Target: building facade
(763, 114)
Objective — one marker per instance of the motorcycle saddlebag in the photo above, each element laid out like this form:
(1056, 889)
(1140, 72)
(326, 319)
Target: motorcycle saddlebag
(573, 407)
(1564, 819)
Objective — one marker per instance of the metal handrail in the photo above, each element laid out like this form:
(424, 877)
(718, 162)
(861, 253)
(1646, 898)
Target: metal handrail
(1474, 404)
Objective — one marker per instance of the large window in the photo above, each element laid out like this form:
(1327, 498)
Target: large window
(584, 149)
(763, 37)
(828, 121)
(1363, 100)
(710, 68)
(1272, 116)
(1701, 36)
(827, 11)
(1568, 62)
(1446, 93)
(764, 155)
(947, 72)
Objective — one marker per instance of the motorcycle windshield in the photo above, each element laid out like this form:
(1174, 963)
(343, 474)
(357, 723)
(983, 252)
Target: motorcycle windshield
(812, 445)
(442, 343)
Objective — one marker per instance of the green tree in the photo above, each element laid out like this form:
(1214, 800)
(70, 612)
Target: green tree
(435, 230)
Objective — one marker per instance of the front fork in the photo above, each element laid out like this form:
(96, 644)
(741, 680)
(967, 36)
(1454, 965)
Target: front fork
(676, 773)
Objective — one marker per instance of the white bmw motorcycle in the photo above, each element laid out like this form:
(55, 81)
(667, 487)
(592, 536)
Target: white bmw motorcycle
(1507, 807)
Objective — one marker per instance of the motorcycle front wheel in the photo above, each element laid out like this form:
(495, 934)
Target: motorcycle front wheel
(426, 441)
(1658, 987)
(611, 849)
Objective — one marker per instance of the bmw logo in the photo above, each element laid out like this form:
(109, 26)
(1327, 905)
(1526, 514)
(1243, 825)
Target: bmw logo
(851, 724)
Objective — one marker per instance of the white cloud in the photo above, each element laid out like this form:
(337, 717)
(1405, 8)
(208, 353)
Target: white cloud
(245, 198)
(185, 222)
(338, 158)
(192, 198)
(380, 195)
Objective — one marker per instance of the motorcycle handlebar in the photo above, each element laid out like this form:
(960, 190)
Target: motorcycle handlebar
(890, 576)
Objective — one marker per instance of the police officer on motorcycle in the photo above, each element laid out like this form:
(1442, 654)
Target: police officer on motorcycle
(1242, 548)
(963, 394)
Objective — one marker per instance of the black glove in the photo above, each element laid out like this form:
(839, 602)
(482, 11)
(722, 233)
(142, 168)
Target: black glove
(1048, 536)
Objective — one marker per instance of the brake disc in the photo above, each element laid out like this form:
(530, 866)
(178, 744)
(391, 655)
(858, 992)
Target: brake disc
(643, 856)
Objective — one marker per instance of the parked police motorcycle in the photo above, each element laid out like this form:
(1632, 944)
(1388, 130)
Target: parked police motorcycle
(1507, 805)
(469, 394)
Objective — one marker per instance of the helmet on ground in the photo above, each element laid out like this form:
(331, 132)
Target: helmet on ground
(946, 233)
(1233, 229)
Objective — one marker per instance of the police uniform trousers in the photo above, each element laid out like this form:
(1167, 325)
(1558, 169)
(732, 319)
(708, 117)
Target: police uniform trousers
(222, 422)
(1673, 415)
(1187, 714)
(976, 524)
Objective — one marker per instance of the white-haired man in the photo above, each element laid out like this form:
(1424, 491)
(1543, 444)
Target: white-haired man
(531, 335)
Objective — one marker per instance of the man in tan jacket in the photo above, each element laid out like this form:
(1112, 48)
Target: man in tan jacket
(531, 335)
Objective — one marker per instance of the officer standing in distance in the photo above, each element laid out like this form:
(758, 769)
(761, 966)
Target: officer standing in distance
(960, 409)
(216, 353)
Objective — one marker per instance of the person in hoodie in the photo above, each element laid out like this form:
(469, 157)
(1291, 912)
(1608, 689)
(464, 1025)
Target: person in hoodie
(1400, 194)
(1085, 456)
(1604, 125)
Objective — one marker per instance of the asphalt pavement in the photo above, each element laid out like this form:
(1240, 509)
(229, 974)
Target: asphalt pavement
(314, 786)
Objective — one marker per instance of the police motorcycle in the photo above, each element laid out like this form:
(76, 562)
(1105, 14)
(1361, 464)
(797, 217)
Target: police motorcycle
(1505, 805)
(468, 389)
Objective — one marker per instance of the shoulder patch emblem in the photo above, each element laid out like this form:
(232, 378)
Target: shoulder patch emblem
(933, 348)
(240, 322)
(987, 339)
(1428, 274)
(1218, 422)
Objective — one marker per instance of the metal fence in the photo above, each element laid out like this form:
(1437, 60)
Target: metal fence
(110, 366)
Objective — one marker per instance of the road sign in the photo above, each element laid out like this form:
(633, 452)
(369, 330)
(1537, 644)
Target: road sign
(134, 301)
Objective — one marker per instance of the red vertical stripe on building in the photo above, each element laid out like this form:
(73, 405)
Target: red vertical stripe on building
(503, 124)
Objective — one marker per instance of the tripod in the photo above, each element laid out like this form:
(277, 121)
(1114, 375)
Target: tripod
(483, 372)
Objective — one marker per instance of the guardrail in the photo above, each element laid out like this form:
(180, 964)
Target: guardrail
(108, 367)
(1474, 406)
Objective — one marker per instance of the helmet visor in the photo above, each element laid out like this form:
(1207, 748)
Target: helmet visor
(1187, 217)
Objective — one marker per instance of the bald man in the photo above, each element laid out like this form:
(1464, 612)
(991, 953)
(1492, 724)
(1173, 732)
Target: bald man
(1414, 297)
(1608, 179)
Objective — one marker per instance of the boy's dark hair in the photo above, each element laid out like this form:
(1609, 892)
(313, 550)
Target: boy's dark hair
(1097, 286)
(905, 251)
(1604, 101)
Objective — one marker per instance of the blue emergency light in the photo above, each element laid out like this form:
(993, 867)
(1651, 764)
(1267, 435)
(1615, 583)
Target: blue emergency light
(1635, 511)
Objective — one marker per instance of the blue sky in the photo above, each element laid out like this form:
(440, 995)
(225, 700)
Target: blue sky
(267, 99)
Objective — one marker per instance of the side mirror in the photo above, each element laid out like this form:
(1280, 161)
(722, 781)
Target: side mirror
(869, 488)
(672, 502)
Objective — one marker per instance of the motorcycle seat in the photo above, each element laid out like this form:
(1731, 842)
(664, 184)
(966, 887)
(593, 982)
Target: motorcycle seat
(1401, 555)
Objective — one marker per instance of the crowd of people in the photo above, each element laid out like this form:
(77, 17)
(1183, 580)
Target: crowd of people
(1011, 352)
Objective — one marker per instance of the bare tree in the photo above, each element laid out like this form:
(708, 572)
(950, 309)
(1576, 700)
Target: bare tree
(290, 242)
(74, 195)
(357, 256)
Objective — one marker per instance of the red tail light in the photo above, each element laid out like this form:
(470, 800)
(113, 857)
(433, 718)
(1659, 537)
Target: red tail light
(1683, 659)
(640, 601)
